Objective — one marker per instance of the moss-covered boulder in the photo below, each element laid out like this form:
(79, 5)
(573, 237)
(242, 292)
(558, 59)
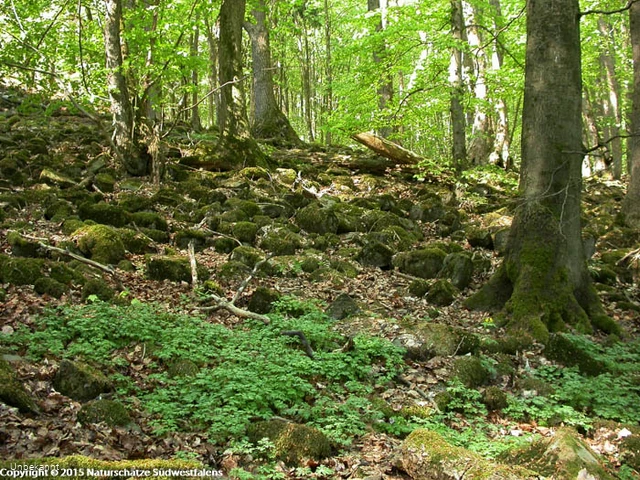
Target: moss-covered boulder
(150, 220)
(183, 368)
(470, 371)
(100, 243)
(58, 210)
(246, 255)
(245, 232)
(233, 270)
(342, 307)
(135, 242)
(105, 182)
(458, 267)
(21, 271)
(423, 263)
(262, 299)
(21, 246)
(80, 381)
(428, 210)
(479, 238)
(427, 456)
(224, 244)
(441, 293)
(630, 451)
(444, 340)
(104, 213)
(349, 217)
(395, 237)
(12, 392)
(494, 398)
(376, 254)
(49, 286)
(316, 218)
(183, 238)
(419, 287)
(111, 412)
(293, 442)
(572, 350)
(176, 269)
(98, 288)
(564, 455)
(378, 221)
(281, 241)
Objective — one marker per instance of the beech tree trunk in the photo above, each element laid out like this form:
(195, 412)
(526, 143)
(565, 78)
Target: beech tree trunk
(196, 124)
(124, 140)
(237, 147)
(458, 121)
(631, 203)
(385, 89)
(269, 122)
(543, 283)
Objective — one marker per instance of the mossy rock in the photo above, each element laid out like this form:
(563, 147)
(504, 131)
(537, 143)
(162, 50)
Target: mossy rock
(427, 456)
(316, 218)
(605, 275)
(20, 271)
(532, 386)
(182, 368)
(184, 237)
(281, 241)
(135, 242)
(564, 455)
(292, 442)
(458, 267)
(444, 340)
(245, 232)
(428, 210)
(99, 288)
(395, 237)
(111, 412)
(134, 203)
(328, 274)
(158, 236)
(630, 451)
(104, 213)
(494, 398)
(249, 207)
(22, 247)
(3, 295)
(80, 382)
(235, 216)
(342, 307)
(59, 210)
(167, 197)
(419, 287)
(423, 263)
(376, 254)
(572, 350)
(262, 299)
(150, 220)
(71, 225)
(233, 270)
(441, 293)
(378, 221)
(349, 218)
(64, 274)
(224, 244)
(479, 238)
(100, 243)
(12, 392)
(105, 182)
(470, 371)
(49, 286)
(176, 269)
(349, 269)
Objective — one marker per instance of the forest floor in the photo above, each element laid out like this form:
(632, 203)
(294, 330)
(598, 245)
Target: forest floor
(46, 157)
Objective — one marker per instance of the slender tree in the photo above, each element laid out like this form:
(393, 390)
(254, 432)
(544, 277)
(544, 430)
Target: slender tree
(631, 203)
(458, 121)
(385, 89)
(237, 147)
(543, 282)
(269, 121)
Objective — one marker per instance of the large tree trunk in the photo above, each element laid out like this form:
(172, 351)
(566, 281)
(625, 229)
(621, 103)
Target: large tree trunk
(543, 282)
(458, 121)
(385, 89)
(269, 122)
(237, 147)
(631, 204)
(126, 150)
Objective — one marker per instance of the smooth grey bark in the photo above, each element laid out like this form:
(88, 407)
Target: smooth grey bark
(126, 150)
(196, 124)
(458, 120)
(385, 88)
(269, 122)
(543, 282)
(237, 147)
(214, 99)
(631, 203)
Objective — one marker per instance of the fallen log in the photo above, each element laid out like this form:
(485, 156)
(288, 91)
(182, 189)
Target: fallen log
(387, 148)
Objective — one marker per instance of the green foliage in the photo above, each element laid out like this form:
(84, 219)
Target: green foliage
(246, 374)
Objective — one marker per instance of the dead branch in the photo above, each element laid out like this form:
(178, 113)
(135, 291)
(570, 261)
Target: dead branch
(194, 265)
(387, 149)
(246, 281)
(238, 312)
(303, 340)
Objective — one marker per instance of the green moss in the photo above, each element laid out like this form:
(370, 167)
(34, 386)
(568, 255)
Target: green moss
(134, 203)
(80, 381)
(247, 206)
(134, 242)
(105, 182)
(22, 247)
(606, 324)
(345, 267)
(444, 340)
(281, 241)
(233, 270)
(50, 287)
(99, 288)
(100, 243)
(184, 237)
(111, 412)
(630, 451)
(176, 269)
(104, 213)
(423, 263)
(71, 225)
(245, 232)
(572, 350)
(183, 368)
(419, 287)
(316, 218)
(441, 293)
(12, 392)
(470, 371)
(58, 210)
(494, 398)
(20, 271)
(292, 442)
(262, 299)
(150, 220)
(248, 256)
(224, 244)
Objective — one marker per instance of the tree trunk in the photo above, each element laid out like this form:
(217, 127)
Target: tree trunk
(196, 125)
(237, 147)
(328, 93)
(543, 282)
(214, 99)
(385, 88)
(126, 150)
(269, 122)
(458, 121)
(631, 203)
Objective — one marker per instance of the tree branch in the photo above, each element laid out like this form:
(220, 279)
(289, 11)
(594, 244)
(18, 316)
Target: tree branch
(609, 12)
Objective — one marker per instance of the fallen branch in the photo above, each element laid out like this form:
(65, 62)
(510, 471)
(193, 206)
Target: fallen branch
(303, 340)
(246, 281)
(194, 265)
(238, 312)
(387, 149)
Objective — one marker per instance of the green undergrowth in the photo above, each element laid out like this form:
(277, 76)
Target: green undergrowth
(237, 376)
